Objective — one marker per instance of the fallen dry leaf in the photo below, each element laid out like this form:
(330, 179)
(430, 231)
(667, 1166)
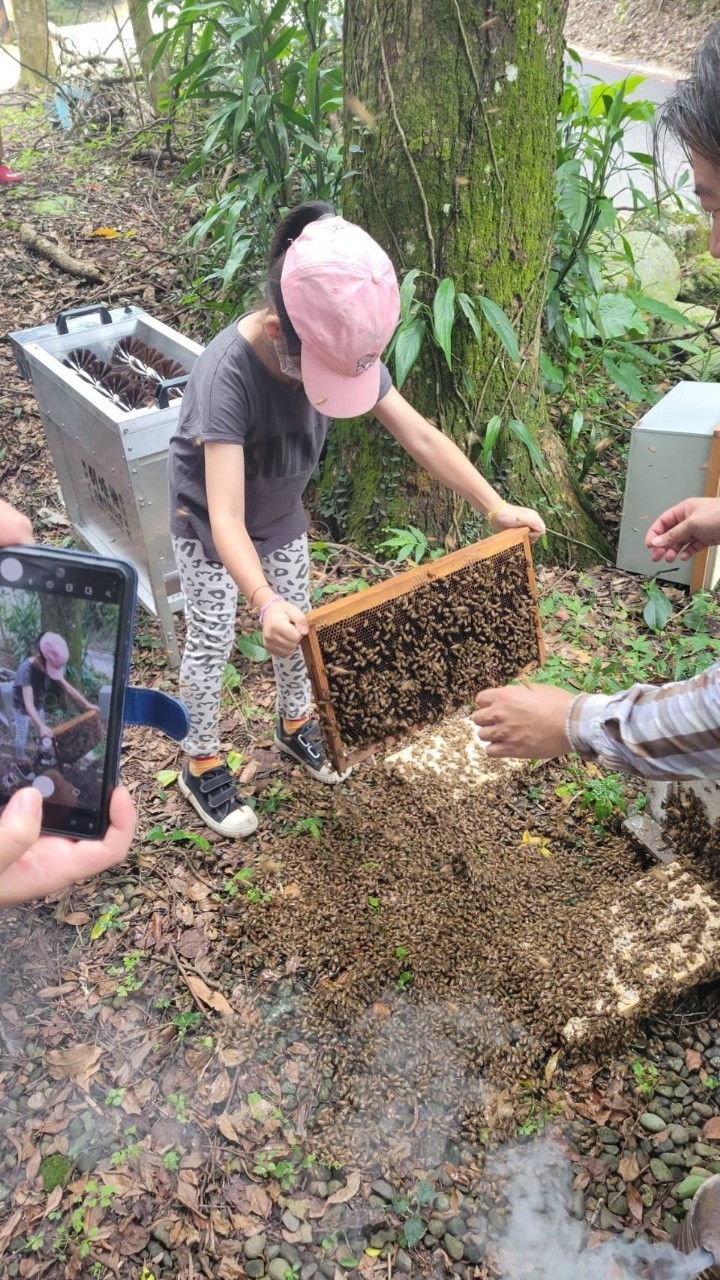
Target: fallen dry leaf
(187, 1194)
(260, 1202)
(213, 999)
(629, 1169)
(635, 1204)
(78, 1063)
(351, 1188)
(712, 1129)
(227, 1128)
(693, 1060)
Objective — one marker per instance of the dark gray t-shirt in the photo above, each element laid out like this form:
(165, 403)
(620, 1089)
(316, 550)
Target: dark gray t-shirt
(232, 397)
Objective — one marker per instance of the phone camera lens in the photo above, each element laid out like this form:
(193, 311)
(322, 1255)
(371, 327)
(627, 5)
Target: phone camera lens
(59, 573)
(11, 569)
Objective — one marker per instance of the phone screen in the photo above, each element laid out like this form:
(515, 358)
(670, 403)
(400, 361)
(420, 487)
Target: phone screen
(63, 665)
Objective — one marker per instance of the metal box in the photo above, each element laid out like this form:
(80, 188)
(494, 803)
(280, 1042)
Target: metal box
(111, 463)
(669, 457)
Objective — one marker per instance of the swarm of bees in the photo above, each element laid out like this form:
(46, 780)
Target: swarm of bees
(444, 954)
(413, 659)
(132, 377)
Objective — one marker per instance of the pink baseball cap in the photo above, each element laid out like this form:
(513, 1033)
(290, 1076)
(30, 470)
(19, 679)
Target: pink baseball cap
(341, 294)
(55, 652)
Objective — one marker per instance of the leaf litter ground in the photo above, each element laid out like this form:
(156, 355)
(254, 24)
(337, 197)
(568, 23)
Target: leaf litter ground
(237, 1040)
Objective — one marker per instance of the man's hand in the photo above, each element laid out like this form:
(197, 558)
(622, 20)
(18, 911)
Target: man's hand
(512, 517)
(32, 865)
(15, 528)
(283, 627)
(691, 526)
(524, 722)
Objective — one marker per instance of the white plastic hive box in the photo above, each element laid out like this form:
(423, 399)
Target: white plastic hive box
(669, 456)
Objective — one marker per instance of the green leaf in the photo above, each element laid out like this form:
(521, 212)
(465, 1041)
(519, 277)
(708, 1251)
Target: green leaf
(407, 347)
(672, 315)
(407, 292)
(155, 834)
(251, 647)
(658, 611)
(490, 439)
(444, 317)
(521, 432)
(576, 426)
(500, 325)
(414, 1230)
(189, 837)
(166, 777)
(468, 309)
(616, 314)
(625, 376)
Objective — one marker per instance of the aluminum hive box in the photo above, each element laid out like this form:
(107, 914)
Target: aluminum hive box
(111, 464)
(669, 456)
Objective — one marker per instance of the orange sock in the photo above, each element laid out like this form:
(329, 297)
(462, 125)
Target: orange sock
(292, 726)
(201, 764)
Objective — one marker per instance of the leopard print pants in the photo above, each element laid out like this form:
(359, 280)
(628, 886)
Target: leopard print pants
(210, 609)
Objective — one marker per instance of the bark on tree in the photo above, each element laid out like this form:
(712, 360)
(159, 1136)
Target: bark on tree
(36, 51)
(155, 78)
(456, 178)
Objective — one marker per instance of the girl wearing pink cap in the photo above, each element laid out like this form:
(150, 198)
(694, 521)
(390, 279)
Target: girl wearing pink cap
(40, 687)
(254, 419)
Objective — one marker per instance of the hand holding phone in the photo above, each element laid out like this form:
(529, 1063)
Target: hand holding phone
(66, 621)
(32, 865)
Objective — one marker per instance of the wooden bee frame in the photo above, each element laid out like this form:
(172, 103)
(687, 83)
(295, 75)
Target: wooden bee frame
(509, 546)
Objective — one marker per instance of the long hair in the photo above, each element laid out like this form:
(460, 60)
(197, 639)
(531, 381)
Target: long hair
(288, 230)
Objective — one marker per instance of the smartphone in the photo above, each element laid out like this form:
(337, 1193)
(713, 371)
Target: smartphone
(66, 627)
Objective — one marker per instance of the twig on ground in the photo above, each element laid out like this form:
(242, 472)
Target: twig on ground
(73, 266)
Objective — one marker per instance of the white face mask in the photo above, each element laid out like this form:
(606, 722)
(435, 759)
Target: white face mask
(290, 365)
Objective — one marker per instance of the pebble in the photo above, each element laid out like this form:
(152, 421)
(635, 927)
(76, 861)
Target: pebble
(442, 1203)
(673, 1158)
(679, 1135)
(686, 1189)
(308, 1270)
(474, 1248)
(647, 1195)
(403, 1261)
(380, 1188)
(254, 1267)
(660, 1171)
(436, 1228)
(290, 1254)
(705, 1111)
(578, 1204)
(608, 1221)
(254, 1246)
(454, 1247)
(290, 1222)
(676, 1050)
(277, 1269)
(652, 1122)
(456, 1226)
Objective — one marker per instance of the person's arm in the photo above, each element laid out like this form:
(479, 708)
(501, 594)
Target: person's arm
(283, 624)
(666, 731)
(29, 704)
(32, 865)
(439, 455)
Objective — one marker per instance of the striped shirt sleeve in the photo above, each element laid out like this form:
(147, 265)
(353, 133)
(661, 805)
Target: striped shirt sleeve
(665, 731)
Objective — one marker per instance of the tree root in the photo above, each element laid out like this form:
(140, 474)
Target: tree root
(58, 256)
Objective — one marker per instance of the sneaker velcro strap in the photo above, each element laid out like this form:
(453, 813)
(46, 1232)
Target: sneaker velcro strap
(216, 799)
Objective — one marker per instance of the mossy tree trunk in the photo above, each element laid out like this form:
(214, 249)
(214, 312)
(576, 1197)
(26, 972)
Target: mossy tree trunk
(456, 178)
(156, 78)
(36, 51)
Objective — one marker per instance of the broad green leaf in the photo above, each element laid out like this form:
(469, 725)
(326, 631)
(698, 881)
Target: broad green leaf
(444, 317)
(663, 311)
(576, 426)
(521, 433)
(625, 376)
(500, 325)
(155, 834)
(616, 315)
(658, 610)
(407, 347)
(251, 647)
(166, 777)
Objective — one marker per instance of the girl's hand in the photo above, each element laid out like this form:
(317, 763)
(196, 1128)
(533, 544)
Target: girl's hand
(511, 517)
(284, 626)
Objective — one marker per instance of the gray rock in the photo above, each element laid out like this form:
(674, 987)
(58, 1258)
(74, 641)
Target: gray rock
(651, 1122)
(290, 1222)
(647, 1195)
(436, 1228)
(278, 1269)
(660, 1171)
(382, 1189)
(290, 1254)
(456, 1226)
(608, 1221)
(474, 1247)
(453, 1246)
(254, 1246)
(327, 1268)
(578, 1204)
(618, 1204)
(705, 1111)
(272, 1251)
(673, 1158)
(254, 1267)
(161, 1233)
(675, 1064)
(403, 1262)
(308, 1270)
(607, 1135)
(442, 1203)
(672, 1047)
